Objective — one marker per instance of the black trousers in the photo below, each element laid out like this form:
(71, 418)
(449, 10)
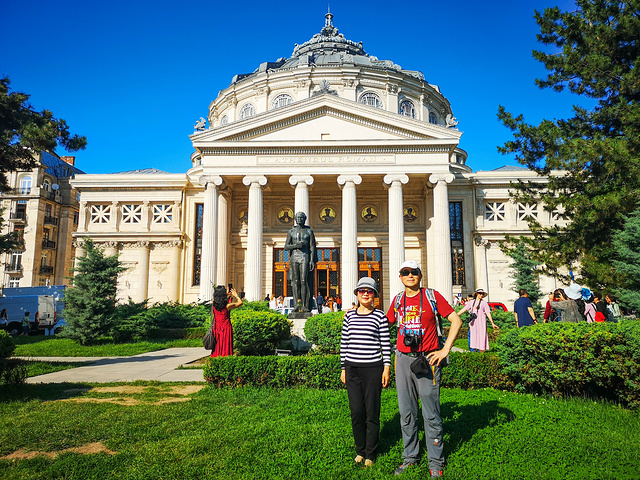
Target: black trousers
(364, 387)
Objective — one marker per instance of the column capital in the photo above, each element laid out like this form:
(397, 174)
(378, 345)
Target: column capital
(294, 180)
(396, 177)
(343, 179)
(250, 179)
(434, 178)
(215, 179)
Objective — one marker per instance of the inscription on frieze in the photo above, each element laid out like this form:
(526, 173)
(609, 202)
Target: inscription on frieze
(326, 159)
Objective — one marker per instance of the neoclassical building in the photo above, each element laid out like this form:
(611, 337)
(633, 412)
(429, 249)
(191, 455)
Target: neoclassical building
(368, 150)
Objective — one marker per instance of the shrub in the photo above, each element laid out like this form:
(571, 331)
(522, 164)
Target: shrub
(257, 332)
(601, 360)
(325, 331)
(11, 371)
(474, 370)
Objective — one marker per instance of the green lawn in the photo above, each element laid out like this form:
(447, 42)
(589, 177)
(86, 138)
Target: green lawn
(41, 346)
(252, 433)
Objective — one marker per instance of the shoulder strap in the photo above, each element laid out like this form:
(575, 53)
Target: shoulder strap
(396, 303)
(434, 306)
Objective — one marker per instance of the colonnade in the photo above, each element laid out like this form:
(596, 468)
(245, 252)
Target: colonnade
(215, 232)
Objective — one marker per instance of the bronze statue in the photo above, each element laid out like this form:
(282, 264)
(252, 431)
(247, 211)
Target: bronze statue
(301, 242)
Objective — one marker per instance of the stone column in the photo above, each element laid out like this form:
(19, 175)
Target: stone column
(111, 248)
(223, 239)
(301, 183)
(253, 268)
(439, 255)
(396, 229)
(209, 236)
(115, 213)
(143, 271)
(174, 270)
(349, 249)
(79, 246)
(83, 217)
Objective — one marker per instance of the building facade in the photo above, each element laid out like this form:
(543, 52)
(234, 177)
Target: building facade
(368, 150)
(41, 207)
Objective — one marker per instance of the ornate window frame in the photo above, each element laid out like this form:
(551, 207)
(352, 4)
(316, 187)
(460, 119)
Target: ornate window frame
(100, 213)
(494, 211)
(281, 100)
(132, 213)
(162, 213)
(247, 111)
(371, 99)
(433, 118)
(407, 108)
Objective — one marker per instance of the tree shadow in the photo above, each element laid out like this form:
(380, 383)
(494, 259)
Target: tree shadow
(42, 392)
(462, 422)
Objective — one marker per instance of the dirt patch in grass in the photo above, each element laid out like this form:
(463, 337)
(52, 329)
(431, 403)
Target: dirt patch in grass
(174, 394)
(88, 449)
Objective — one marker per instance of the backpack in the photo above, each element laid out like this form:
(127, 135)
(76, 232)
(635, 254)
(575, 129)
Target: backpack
(428, 292)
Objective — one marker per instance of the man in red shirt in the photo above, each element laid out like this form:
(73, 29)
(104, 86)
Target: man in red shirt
(417, 336)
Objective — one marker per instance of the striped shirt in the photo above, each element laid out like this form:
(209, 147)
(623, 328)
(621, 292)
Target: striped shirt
(365, 339)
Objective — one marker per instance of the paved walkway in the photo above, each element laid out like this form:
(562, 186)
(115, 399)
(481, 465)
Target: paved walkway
(160, 366)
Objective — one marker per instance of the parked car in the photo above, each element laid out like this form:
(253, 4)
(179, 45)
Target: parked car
(498, 306)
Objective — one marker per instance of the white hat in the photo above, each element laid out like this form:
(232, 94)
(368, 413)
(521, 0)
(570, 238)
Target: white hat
(410, 264)
(367, 282)
(573, 291)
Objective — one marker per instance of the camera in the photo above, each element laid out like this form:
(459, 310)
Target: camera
(472, 316)
(411, 340)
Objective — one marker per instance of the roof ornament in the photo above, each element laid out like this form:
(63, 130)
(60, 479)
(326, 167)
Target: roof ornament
(200, 125)
(329, 30)
(451, 121)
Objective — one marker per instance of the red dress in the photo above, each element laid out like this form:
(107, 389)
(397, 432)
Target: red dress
(223, 332)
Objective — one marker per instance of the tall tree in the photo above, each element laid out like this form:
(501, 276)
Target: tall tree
(627, 261)
(25, 132)
(525, 273)
(592, 160)
(91, 300)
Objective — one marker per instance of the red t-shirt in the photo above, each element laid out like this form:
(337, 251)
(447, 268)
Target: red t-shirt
(424, 326)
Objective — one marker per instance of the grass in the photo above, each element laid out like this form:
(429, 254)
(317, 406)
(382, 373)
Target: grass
(252, 433)
(40, 368)
(42, 346)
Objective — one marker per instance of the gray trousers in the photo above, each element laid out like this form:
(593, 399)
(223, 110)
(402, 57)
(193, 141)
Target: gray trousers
(426, 387)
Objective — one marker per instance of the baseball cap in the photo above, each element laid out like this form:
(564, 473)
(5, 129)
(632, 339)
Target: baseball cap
(410, 264)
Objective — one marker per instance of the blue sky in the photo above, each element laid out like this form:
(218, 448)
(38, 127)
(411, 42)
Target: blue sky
(133, 77)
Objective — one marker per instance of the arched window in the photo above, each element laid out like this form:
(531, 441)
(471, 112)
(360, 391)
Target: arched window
(247, 111)
(25, 185)
(371, 99)
(282, 100)
(224, 120)
(46, 184)
(433, 118)
(407, 109)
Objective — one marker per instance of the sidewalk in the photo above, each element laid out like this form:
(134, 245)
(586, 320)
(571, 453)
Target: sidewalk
(159, 366)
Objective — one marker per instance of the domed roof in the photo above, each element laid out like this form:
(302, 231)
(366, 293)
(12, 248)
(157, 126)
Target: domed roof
(329, 48)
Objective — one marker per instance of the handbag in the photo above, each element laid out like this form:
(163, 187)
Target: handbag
(209, 340)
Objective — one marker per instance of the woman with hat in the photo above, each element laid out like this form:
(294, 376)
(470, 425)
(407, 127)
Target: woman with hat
(479, 311)
(365, 358)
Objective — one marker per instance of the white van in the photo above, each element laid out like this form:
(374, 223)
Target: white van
(41, 308)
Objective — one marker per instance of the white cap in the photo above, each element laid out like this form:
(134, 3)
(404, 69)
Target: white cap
(410, 264)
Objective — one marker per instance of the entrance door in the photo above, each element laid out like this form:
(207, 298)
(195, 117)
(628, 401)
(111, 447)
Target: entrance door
(281, 280)
(370, 265)
(327, 271)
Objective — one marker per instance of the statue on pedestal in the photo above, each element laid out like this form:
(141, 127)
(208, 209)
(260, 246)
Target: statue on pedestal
(301, 243)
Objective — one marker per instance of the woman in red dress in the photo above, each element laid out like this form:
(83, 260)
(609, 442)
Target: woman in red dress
(222, 304)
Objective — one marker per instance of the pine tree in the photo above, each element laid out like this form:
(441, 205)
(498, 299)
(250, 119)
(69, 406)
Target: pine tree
(91, 301)
(627, 261)
(525, 273)
(591, 160)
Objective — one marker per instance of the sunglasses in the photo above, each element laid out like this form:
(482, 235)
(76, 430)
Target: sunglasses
(414, 271)
(365, 291)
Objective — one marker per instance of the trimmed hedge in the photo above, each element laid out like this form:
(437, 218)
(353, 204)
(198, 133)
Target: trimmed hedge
(594, 360)
(258, 332)
(323, 371)
(12, 371)
(325, 332)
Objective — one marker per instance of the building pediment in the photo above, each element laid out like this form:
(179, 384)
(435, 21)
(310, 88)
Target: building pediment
(325, 117)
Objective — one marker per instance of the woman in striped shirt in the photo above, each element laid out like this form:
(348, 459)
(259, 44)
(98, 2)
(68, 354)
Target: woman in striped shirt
(365, 357)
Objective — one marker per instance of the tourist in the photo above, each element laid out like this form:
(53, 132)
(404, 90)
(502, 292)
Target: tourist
(590, 310)
(601, 309)
(223, 303)
(319, 302)
(479, 311)
(25, 323)
(273, 304)
(569, 311)
(365, 358)
(4, 319)
(523, 310)
(418, 344)
(613, 308)
(338, 303)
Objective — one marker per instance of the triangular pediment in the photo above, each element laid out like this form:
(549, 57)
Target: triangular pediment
(325, 117)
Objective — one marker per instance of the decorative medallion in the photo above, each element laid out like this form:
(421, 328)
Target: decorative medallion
(369, 214)
(410, 214)
(327, 214)
(285, 215)
(242, 217)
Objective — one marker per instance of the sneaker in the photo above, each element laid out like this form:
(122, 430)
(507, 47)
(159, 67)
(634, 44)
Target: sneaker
(403, 467)
(436, 473)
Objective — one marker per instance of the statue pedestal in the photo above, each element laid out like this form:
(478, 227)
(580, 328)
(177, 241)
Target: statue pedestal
(298, 319)
(299, 315)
